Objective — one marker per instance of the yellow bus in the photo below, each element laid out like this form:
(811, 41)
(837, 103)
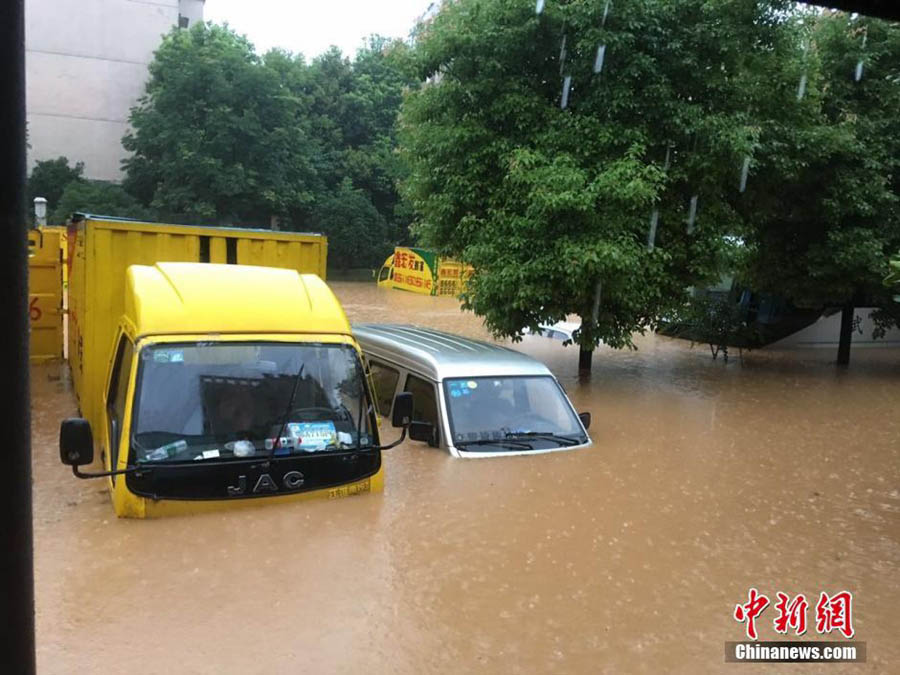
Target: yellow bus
(421, 271)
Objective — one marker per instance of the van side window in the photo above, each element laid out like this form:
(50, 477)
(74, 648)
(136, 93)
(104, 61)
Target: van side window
(385, 381)
(115, 400)
(424, 400)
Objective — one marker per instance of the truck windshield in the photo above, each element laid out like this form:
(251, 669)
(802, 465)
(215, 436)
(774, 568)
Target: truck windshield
(487, 413)
(209, 401)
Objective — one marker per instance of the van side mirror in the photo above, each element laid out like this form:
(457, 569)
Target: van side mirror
(423, 431)
(402, 410)
(585, 418)
(76, 442)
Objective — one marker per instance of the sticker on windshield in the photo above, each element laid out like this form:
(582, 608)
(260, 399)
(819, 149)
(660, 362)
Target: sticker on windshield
(312, 436)
(472, 384)
(168, 356)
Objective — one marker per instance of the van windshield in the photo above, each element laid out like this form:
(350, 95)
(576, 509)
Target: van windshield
(503, 409)
(209, 401)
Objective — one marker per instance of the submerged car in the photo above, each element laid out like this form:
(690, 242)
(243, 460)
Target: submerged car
(561, 330)
(472, 398)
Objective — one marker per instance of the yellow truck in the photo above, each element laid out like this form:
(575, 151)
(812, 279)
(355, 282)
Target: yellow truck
(422, 271)
(225, 374)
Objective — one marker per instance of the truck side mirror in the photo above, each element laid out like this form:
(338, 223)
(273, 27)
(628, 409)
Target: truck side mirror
(402, 410)
(76, 442)
(585, 418)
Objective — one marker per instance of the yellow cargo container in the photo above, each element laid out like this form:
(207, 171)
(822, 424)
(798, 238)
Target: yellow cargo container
(104, 248)
(206, 384)
(46, 281)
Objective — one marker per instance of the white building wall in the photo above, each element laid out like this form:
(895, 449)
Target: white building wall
(826, 332)
(192, 10)
(86, 66)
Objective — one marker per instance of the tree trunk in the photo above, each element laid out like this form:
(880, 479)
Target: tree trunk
(584, 360)
(843, 358)
(585, 356)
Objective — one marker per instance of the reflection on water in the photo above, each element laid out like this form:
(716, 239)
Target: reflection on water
(705, 479)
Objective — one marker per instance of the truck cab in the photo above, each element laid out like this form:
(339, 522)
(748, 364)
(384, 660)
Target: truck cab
(229, 383)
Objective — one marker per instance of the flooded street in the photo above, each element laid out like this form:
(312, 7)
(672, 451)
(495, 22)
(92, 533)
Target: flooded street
(705, 479)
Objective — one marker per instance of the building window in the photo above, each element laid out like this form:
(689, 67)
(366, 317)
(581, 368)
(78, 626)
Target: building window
(183, 21)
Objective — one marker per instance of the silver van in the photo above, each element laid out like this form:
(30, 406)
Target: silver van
(473, 398)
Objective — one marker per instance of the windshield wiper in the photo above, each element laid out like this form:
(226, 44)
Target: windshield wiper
(276, 444)
(544, 436)
(515, 445)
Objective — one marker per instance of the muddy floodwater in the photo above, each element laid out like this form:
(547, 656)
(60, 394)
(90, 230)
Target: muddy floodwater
(705, 479)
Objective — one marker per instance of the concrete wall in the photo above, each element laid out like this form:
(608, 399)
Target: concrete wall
(86, 65)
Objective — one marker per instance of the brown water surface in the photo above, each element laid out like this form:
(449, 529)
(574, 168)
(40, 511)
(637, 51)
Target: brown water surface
(705, 479)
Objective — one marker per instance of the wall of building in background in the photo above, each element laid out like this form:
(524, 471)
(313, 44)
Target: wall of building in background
(192, 10)
(826, 332)
(86, 65)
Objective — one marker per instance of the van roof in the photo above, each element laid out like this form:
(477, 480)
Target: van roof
(440, 355)
(170, 297)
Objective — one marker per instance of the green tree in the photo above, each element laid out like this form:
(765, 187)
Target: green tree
(717, 319)
(586, 162)
(226, 136)
(354, 227)
(48, 179)
(353, 111)
(823, 202)
(893, 278)
(98, 197)
(219, 135)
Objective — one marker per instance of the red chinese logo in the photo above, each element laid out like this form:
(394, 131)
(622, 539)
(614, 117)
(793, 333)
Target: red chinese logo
(834, 613)
(791, 614)
(748, 613)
